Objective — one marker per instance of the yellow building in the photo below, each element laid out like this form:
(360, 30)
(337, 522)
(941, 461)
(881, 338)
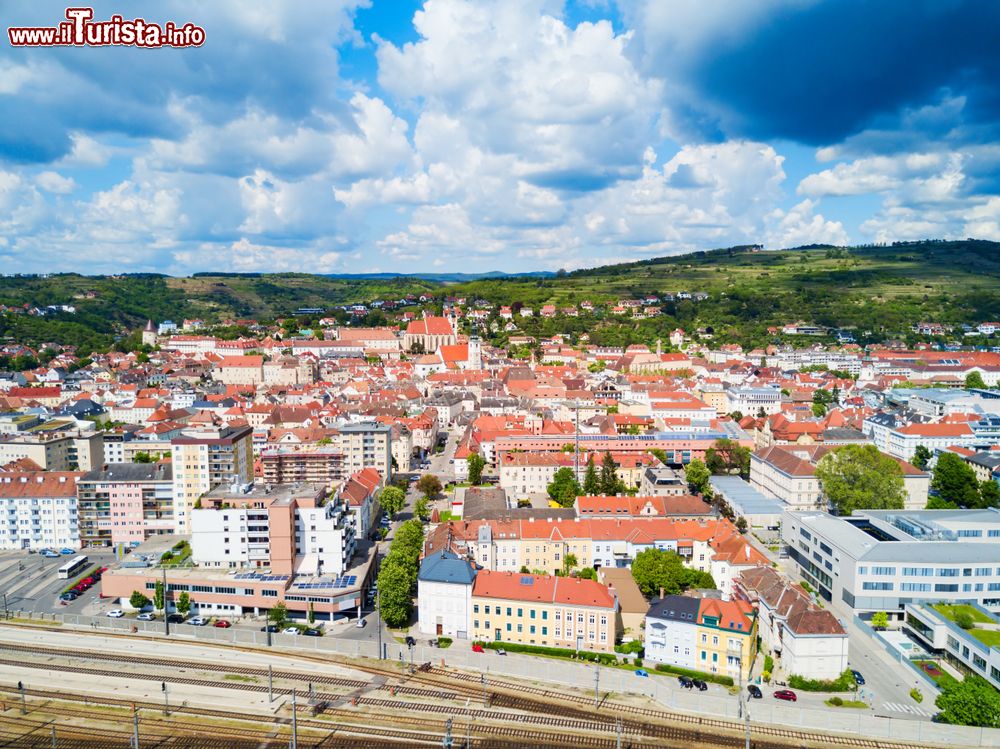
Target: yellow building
(726, 638)
(544, 610)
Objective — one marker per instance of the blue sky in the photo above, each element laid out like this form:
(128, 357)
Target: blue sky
(468, 135)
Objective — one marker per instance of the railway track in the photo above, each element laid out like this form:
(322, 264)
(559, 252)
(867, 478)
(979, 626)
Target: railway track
(456, 685)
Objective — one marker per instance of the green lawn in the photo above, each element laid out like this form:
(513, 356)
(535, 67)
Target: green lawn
(987, 636)
(944, 680)
(952, 610)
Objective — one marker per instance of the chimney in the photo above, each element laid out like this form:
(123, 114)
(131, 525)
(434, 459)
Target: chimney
(661, 594)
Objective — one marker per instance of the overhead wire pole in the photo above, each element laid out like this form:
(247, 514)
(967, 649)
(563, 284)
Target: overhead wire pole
(135, 727)
(597, 686)
(295, 725)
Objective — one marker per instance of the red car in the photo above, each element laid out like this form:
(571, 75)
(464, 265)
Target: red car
(477, 648)
(222, 624)
(785, 694)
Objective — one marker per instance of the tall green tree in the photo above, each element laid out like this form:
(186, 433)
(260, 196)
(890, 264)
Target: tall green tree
(989, 493)
(970, 702)
(392, 499)
(138, 600)
(921, 456)
(429, 485)
(728, 457)
(955, 481)
(159, 596)
(278, 614)
(859, 477)
(654, 569)
(183, 604)
(696, 473)
(476, 465)
(591, 483)
(974, 380)
(608, 481)
(422, 508)
(564, 488)
(395, 594)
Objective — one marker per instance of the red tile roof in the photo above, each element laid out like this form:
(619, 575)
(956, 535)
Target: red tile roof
(569, 591)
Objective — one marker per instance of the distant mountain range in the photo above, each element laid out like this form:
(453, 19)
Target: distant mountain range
(440, 277)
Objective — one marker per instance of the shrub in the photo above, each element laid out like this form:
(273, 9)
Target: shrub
(964, 620)
(632, 647)
(444, 642)
(806, 586)
(716, 678)
(843, 683)
(769, 664)
(638, 661)
(836, 701)
(917, 695)
(766, 676)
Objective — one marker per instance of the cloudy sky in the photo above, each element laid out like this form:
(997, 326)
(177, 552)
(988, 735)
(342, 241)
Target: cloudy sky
(472, 135)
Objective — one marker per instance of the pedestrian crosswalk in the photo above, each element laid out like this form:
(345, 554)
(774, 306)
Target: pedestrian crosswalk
(903, 708)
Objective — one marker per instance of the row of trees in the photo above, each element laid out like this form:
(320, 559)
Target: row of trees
(139, 600)
(397, 577)
(564, 487)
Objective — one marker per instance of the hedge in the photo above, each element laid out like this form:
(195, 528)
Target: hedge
(716, 678)
(607, 659)
(444, 642)
(843, 683)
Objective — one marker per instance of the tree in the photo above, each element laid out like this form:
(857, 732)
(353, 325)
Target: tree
(429, 485)
(736, 415)
(569, 563)
(955, 481)
(476, 465)
(654, 569)
(921, 456)
(880, 620)
(422, 508)
(395, 594)
(591, 484)
(989, 493)
(970, 702)
(159, 597)
(564, 488)
(392, 499)
(819, 410)
(183, 604)
(697, 475)
(727, 457)
(311, 616)
(741, 524)
(964, 620)
(138, 600)
(587, 573)
(659, 454)
(859, 477)
(608, 480)
(278, 614)
(974, 381)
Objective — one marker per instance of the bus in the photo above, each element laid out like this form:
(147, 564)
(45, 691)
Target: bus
(73, 567)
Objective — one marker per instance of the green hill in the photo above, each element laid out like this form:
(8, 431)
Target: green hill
(880, 290)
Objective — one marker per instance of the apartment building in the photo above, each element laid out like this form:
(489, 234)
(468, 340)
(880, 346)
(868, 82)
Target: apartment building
(545, 610)
(750, 401)
(366, 445)
(523, 473)
(788, 473)
(125, 503)
(882, 560)
(311, 463)
(205, 458)
(57, 447)
(38, 510)
(703, 634)
(288, 529)
(805, 639)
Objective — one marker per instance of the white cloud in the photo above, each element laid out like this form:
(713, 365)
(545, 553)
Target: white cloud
(800, 226)
(55, 183)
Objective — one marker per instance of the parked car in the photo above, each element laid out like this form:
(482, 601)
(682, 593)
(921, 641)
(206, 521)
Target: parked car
(754, 691)
(361, 622)
(146, 617)
(290, 631)
(785, 694)
(270, 628)
(700, 685)
(312, 632)
(476, 647)
(222, 624)
(69, 595)
(175, 618)
(116, 613)
(685, 682)
(66, 552)
(501, 651)
(411, 642)
(858, 677)
(642, 672)
(49, 554)
(198, 621)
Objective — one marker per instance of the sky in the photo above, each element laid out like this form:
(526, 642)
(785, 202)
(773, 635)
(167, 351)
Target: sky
(355, 136)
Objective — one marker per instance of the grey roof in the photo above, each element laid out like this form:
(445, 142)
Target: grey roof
(447, 567)
(744, 498)
(674, 608)
(132, 472)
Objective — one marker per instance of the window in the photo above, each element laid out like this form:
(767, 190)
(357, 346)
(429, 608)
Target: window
(948, 572)
(545, 614)
(520, 627)
(508, 611)
(520, 612)
(545, 631)
(532, 613)
(946, 587)
(531, 629)
(883, 570)
(704, 637)
(805, 534)
(876, 586)
(475, 624)
(918, 571)
(915, 587)
(475, 609)
(715, 640)
(970, 533)
(486, 609)
(983, 571)
(508, 626)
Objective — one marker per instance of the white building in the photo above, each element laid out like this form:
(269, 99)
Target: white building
(444, 593)
(806, 640)
(881, 560)
(749, 401)
(39, 510)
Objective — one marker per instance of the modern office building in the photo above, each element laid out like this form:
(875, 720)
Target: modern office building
(204, 459)
(882, 560)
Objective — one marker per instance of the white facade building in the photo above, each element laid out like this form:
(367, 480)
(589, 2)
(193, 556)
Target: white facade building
(39, 510)
(444, 594)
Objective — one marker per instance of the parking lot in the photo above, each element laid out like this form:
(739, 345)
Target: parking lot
(30, 582)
